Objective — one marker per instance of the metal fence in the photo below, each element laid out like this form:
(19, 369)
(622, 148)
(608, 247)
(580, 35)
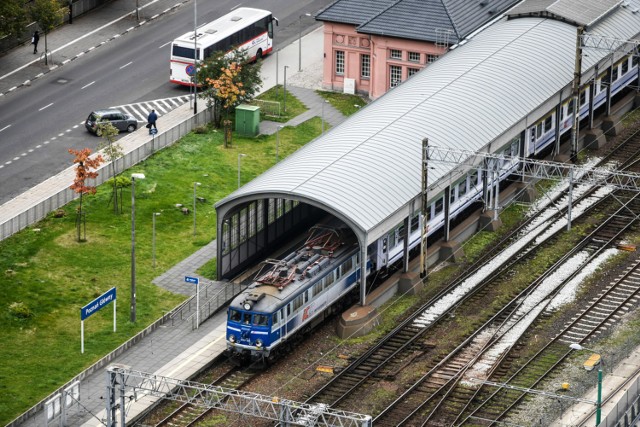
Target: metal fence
(63, 195)
(267, 108)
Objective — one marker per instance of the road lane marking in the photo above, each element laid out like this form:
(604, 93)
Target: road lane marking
(87, 85)
(126, 65)
(161, 46)
(6, 127)
(46, 106)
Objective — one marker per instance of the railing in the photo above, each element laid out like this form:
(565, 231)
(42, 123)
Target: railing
(267, 108)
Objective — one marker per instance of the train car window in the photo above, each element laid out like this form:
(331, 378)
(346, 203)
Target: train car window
(452, 195)
(276, 318)
(288, 309)
(473, 178)
(570, 108)
(548, 124)
(562, 111)
(625, 66)
(614, 75)
(328, 280)
(539, 130)
(297, 303)
(392, 238)
(634, 60)
(515, 147)
(235, 315)
(439, 205)
(462, 188)
(260, 320)
(583, 97)
(346, 267)
(317, 288)
(415, 222)
(306, 296)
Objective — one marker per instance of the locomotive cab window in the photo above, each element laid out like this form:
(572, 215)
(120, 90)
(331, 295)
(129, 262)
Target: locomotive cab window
(260, 320)
(235, 315)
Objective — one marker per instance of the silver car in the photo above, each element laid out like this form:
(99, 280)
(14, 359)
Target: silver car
(118, 119)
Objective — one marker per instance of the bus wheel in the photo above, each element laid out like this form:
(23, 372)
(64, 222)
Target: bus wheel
(258, 55)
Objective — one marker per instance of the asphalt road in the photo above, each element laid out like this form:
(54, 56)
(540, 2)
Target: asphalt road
(47, 118)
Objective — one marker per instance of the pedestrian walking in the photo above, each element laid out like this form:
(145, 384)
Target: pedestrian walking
(34, 41)
(151, 120)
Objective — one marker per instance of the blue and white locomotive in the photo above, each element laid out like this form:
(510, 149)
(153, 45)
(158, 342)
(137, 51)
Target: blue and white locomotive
(291, 295)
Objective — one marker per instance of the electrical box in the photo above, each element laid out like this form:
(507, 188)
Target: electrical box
(247, 120)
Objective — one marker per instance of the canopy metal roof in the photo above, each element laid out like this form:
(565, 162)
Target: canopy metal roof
(367, 171)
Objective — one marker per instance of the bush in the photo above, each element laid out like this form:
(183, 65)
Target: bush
(20, 310)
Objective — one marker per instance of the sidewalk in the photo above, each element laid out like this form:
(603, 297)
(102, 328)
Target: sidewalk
(173, 350)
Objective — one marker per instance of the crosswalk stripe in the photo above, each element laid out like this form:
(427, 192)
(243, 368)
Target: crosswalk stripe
(140, 110)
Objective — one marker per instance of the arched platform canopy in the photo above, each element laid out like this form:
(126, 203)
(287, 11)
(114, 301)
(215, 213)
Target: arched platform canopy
(478, 97)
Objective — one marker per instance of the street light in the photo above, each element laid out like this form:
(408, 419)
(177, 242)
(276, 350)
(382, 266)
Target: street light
(195, 185)
(153, 238)
(278, 143)
(284, 102)
(240, 156)
(134, 176)
(576, 346)
(300, 42)
(195, 57)
(325, 102)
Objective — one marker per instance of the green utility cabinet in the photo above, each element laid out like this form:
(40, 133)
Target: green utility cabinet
(247, 120)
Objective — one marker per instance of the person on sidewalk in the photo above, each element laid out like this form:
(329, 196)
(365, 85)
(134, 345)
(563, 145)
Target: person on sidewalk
(151, 120)
(34, 41)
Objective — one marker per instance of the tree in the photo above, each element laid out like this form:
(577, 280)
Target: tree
(83, 172)
(13, 17)
(47, 14)
(228, 80)
(112, 152)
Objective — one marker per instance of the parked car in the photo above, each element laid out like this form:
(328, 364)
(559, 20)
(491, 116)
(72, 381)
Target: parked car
(118, 119)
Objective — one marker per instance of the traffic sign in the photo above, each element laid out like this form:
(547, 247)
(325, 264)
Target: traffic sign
(190, 69)
(193, 280)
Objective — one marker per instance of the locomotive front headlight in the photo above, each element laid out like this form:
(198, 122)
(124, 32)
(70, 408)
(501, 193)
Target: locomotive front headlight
(232, 338)
(258, 343)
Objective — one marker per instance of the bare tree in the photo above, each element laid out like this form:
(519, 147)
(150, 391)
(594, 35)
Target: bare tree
(112, 152)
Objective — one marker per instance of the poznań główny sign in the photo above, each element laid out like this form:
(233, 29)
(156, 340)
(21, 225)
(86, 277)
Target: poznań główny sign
(98, 303)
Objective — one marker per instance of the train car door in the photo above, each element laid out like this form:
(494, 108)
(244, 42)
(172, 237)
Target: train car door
(383, 255)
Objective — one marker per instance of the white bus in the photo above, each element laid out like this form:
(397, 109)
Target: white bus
(244, 28)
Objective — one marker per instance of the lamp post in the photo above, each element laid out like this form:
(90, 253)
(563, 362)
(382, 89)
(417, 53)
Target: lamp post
(300, 42)
(284, 102)
(278, 143)
(153, 238)
(240, 156)
(576, 346)
(134, 176)
(195, 57)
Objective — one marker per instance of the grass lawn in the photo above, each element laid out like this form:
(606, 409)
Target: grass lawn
(47, 275)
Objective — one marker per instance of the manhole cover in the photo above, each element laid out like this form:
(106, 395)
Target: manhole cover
(62, 81)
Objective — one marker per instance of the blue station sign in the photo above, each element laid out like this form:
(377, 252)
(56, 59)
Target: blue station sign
(98, 303)
(190, 279)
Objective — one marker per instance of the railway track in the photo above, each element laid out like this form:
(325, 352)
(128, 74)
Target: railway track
(189, 415)
(442, 381)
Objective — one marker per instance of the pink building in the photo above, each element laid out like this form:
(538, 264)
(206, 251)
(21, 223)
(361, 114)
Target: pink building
(371, 46)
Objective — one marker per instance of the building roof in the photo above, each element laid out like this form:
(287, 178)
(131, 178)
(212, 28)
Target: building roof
(367, 170)
(438, 21)
(579, 12)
